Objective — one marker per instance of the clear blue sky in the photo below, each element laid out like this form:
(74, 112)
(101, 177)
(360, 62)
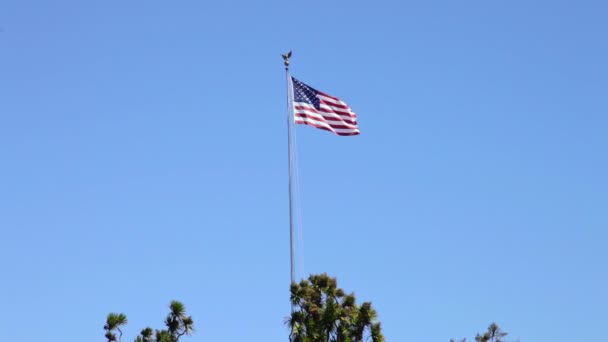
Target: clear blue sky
(143, 159)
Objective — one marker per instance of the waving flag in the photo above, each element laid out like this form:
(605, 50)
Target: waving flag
(314, 108)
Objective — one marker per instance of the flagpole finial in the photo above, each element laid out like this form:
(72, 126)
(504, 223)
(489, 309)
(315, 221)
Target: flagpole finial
(286, 58)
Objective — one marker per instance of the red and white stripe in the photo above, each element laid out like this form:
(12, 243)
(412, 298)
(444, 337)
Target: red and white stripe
(333, 115)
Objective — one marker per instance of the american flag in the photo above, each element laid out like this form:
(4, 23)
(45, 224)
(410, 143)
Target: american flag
(314, 108)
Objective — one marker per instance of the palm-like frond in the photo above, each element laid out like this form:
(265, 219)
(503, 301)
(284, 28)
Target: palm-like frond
(177, 309)
(177, 323)
(324, 313)
(115, 320)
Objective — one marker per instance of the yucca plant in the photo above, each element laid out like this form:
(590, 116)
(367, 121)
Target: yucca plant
(177, 322)
(493, 334)
(113, 323)
(322, 312)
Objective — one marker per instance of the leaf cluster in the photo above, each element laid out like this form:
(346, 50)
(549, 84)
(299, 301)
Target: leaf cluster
(493, 334)
(177, 324)
(322, 312)
(113, 323)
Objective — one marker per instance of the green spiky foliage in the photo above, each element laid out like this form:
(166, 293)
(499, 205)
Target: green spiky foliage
(114, 322)
(493, 334)
(322, 312)
(177, 322)
(177, 325)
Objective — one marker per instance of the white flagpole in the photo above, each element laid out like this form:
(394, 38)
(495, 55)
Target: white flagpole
(286, 58)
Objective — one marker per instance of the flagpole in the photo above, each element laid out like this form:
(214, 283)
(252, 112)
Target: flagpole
(286, 58)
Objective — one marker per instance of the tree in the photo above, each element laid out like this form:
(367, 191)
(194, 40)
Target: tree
(494, 334)
(322, 312)
(113, 324)
(177, 322)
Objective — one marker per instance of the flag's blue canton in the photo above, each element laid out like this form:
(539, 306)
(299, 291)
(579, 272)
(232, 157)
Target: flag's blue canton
(304, 93)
